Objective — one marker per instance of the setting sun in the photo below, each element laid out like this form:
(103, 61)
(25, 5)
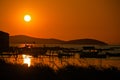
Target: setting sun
(27, 18)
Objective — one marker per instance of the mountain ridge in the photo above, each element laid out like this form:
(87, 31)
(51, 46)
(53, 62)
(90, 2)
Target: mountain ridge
(86, 41)
(28, 39)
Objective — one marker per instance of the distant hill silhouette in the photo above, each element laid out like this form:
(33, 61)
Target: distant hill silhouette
(27, 39)
(86, 41)
(19, 39)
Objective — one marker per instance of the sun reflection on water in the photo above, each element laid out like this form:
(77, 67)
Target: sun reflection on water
(26, 59)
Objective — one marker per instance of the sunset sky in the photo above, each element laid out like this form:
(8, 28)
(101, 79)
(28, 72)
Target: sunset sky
(62, 19)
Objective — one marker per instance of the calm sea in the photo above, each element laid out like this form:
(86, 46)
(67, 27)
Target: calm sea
(76, 46)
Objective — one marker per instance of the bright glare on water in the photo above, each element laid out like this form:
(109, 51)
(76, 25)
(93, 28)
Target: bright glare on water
(26, 59)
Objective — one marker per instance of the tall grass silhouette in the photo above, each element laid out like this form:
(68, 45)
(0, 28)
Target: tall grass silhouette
(10, 71)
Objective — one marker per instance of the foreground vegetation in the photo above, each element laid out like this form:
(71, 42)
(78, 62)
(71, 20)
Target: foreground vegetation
(43, 72)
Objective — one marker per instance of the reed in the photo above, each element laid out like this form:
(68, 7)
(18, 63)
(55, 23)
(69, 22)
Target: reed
(10, 71)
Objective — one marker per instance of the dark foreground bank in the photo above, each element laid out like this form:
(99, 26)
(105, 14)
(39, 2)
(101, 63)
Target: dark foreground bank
(43, 72)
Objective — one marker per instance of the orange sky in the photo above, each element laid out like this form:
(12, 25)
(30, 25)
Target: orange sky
(63, 19)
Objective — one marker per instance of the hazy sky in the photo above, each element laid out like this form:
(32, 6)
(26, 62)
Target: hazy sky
(63, 19)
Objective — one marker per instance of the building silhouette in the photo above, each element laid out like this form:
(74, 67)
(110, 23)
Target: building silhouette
(4, 41)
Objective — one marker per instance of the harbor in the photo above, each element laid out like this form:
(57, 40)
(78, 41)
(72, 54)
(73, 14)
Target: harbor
(57, 57)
